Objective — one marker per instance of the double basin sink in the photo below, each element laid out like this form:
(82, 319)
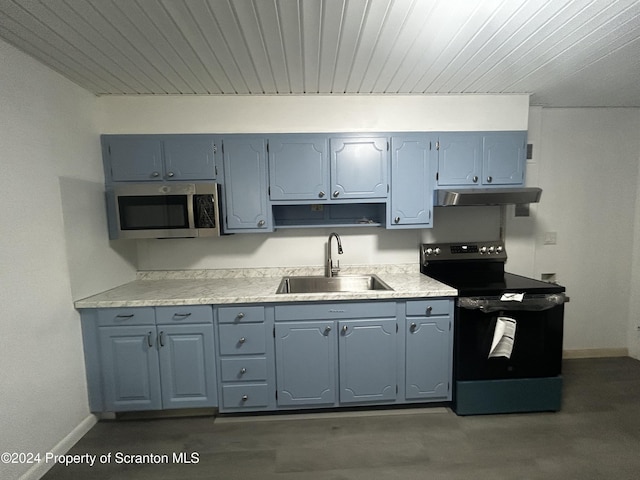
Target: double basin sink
(318, 284)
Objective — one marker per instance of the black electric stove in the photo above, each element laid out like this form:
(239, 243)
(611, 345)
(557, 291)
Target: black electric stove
(527, 376)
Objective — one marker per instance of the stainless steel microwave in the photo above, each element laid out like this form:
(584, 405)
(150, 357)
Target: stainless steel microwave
(163, 210)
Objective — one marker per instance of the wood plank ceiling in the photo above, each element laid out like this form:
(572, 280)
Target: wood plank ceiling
(562, 52)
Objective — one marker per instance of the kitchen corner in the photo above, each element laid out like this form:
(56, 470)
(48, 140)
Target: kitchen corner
(251, 285)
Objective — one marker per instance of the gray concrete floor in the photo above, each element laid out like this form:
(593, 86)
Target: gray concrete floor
(595, 436)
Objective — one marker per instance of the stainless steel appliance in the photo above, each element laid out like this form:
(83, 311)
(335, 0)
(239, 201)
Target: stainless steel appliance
(163, 210)
(507, 332)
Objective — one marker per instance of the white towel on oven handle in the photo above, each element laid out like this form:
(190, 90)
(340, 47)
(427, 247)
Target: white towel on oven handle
(504, 336)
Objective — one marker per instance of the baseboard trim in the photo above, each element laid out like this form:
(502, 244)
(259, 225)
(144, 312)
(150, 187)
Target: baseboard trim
(596, 353)
(63, 446)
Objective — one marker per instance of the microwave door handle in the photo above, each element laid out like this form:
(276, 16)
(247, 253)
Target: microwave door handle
(190, 210)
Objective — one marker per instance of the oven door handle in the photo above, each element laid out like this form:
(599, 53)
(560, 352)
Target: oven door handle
(535, 303)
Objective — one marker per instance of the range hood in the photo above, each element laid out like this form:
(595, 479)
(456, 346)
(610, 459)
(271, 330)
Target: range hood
(487, 196)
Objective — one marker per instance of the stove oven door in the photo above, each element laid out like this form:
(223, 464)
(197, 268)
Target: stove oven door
(530, 331)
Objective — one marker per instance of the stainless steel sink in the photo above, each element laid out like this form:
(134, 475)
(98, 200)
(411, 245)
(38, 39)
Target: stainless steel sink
(331, 284)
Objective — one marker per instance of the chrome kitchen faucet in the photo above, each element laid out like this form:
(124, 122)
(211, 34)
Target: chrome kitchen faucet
(332, 271)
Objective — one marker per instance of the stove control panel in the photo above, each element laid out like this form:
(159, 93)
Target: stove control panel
(493, 250)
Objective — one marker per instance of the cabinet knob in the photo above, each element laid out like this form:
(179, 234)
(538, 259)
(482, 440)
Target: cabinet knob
(242, 340)
(240, 316)
(243, 371)
(475, 179)
(413, 327)
(327, 329)
(489, 179)
(245, 398)
(261, 223)
(429, 310)
(344, 329)
(170, 174)
(396, 220)
(321, 194)
(336, 194)
(155, 174)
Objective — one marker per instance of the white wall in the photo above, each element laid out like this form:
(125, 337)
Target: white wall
(52, 219)
(588, 170)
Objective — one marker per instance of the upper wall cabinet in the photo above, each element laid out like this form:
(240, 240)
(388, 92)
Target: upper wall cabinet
(298, 167)
(159, 158)
(245, 185)
(411, 201)
(359, 167)
(481, 159)
(320, 169)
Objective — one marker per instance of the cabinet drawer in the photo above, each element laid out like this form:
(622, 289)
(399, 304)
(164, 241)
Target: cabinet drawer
(245, 395)
(426, 308)
(240, 314)
(186, 314)
(243, 369)
(328, 311)
(126, 316)
(242, 339)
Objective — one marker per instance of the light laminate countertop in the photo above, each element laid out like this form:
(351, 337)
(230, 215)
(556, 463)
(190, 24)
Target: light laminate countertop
(229, 286)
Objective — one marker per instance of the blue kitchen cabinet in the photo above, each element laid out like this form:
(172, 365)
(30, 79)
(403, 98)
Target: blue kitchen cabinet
(336, 353)
(245, 358)
(298, 167)
(428, 349)
(359, 167)
(159, 158)
(306, 363)
(246, 206)
(411, 198)
(368, 365)
(130, 368)
(481, 159)
(150, 359)
(504, 158)
(459, 159)
(187, 366)
(190, 157)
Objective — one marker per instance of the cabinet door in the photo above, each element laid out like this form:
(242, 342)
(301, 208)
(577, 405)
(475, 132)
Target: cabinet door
(504, 158)
(134, 158)
(367, 350)
(411, 182)
(459, 159)
(131, 376)
(305, 363)
(298, 168)
(187, 366)
(359, 167)
(190, 157)
(428, 365)
(245, 185)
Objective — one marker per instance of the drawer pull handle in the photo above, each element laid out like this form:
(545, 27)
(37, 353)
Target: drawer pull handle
(243, 371)
(242, 340)
(245, 398)
(125, 316)
(161, 338)
(412, 327)
(182, 315)
(149, 342)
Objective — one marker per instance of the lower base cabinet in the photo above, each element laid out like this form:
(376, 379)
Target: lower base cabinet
(158, 363)
(330, 362)
(269, 357)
